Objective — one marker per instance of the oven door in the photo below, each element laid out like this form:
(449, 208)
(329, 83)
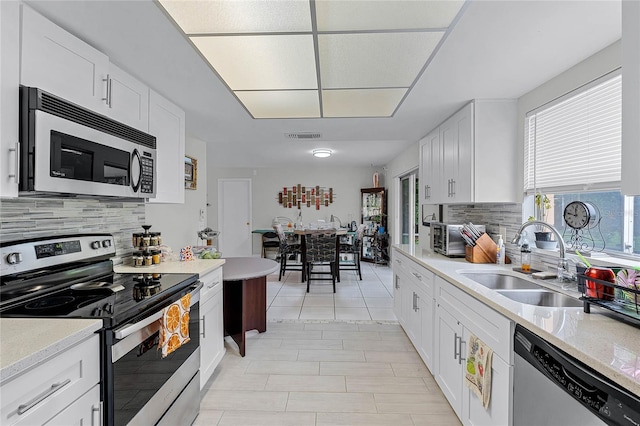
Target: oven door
(143, 385)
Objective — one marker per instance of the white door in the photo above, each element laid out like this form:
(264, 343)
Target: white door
(234, 217)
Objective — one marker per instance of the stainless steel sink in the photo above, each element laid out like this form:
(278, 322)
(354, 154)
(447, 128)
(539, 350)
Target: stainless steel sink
(523, 291)
(542, 298)
(501, 281)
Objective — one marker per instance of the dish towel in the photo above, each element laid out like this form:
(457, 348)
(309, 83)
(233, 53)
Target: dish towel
(174, 325)
(477, 375)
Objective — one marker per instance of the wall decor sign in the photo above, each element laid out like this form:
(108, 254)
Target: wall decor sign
(299, 196)
(190, 172)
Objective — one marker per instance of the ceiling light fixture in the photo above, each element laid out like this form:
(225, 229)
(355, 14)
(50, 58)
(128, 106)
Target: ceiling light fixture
(317, 59)
(322, 153)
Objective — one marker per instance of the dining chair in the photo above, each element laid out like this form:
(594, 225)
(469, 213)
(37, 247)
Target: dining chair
(321, 252)
(270, 241)
(288, 251)
(352, 250)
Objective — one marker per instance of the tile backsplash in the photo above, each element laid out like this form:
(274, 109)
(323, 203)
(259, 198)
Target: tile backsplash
(22, 218)
(493, 216)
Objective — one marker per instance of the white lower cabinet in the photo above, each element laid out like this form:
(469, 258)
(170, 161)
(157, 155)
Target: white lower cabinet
(458, 316)
(64, 389)
(211, 325)
(414, 305)
(85, 411)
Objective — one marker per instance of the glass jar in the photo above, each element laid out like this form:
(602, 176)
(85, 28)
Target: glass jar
(148, 259)
(525, 258)
(155, 256)
(136, 239)
(146, 240)
(154, 239)
(138, 260)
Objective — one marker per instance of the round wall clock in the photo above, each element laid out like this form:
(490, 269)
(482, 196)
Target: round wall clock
(580, 214)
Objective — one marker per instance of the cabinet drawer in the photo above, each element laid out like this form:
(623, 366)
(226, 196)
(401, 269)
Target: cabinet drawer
(421, 276)
(40, 393)
(491, 327)
(212, 283)
(86, 411)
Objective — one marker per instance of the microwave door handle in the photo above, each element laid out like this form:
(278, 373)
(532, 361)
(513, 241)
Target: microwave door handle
(135, 156)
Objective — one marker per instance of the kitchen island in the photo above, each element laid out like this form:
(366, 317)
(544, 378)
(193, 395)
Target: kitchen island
(245, 296)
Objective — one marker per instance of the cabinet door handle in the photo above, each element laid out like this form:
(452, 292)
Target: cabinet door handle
(453, 187)
(417, 304)
(418, 276)
(95, 414)
(460, 358)
(426, 191)
(15, 164)
(449, 188)
(107, 98)
(455, 345)
(23, 408)
(213, 284)
(203, 324)
(397, 285)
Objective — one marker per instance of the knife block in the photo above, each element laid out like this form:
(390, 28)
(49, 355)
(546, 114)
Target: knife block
(483, 252)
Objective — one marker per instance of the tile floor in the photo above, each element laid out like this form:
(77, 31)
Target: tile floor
(347, 363)
(310, 372)
(369, 299)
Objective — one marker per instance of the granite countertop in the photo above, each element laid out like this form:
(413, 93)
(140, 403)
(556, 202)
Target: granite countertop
(600, 339)
(196, 266)
(46, 337)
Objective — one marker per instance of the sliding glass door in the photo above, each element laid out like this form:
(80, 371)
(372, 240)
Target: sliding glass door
(409, 208)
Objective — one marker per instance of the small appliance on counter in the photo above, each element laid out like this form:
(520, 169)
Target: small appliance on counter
(446, 239)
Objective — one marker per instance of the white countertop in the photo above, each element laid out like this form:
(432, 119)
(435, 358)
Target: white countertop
(599, 339)
(26, 341)
(243, 268)
(196, 266)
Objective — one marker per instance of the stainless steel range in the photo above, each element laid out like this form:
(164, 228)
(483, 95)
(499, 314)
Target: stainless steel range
(72, 277)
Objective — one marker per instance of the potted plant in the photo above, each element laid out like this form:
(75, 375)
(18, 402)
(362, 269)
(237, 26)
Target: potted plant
(543, 235)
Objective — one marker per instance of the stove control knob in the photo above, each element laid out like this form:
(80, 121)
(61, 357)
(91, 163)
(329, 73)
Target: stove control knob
(14, 258)
(95, 245)
(106, 243)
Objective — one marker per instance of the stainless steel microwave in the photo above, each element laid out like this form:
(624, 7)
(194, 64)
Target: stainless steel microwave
(68, 149)
(446, 239)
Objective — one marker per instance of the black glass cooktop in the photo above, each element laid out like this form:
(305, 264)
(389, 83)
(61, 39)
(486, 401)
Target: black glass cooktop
(116, 298)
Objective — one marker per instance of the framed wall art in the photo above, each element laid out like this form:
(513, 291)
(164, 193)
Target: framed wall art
(190, 172)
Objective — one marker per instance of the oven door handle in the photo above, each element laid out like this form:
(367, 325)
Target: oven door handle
(129, 329)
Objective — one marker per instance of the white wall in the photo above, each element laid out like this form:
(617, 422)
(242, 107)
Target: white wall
(267, 182)
(179, 223)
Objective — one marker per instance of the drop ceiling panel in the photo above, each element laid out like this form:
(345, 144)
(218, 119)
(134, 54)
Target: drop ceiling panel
(361, 102)
(374, 60)
(262, 62)
(281, 104)
(246, 16)
(341, 15)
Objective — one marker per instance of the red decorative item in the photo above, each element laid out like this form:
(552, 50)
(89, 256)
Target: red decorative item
(597, 290)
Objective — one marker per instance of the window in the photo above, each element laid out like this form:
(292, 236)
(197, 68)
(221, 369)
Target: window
(573, 152)
(409, 208)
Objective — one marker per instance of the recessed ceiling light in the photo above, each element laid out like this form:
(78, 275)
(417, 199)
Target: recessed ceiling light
(322, 152)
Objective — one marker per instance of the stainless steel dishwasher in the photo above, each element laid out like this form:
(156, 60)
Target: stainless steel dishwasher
(552, 388)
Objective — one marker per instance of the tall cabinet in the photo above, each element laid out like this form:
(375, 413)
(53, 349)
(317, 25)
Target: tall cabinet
(374, 216)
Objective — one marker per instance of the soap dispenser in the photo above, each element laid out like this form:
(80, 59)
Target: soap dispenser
(500, 251)
(525, 258)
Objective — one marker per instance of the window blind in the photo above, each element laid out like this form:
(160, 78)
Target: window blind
(575, 142)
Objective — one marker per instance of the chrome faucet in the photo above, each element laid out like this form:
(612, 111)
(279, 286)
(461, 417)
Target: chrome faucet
(563, 265)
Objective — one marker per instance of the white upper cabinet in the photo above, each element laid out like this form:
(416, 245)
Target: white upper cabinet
(9, 82)
(61, 64)
(430, 159)
(630, 97)
(476, 151)
(65, 66)
(127, 99)
(167, 124)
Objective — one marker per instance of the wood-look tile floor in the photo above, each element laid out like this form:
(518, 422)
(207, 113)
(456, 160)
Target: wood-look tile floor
(313, 372)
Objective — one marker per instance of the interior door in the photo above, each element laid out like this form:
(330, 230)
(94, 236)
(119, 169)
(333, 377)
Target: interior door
(234, 217)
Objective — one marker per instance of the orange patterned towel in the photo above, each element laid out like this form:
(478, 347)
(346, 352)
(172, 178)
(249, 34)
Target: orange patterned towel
(174, 327)
(478, 372)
